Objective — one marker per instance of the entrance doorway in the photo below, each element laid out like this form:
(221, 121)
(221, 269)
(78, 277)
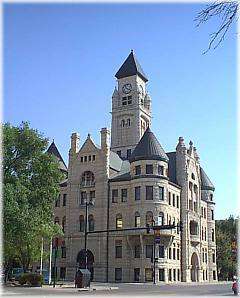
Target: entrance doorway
(195, 266)
(81, 260)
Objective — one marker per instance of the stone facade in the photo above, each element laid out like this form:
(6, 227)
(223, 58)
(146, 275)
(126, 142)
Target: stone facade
(128, 192)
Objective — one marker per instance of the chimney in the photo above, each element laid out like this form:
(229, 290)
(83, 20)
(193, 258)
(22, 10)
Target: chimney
(105, 139)
(75, 141)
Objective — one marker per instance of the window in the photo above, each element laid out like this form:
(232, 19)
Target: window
(213, 236)
(62, 273)
(178, 274)
(149, 218)
(169, 198)
(212, 214)
(177, 201)
(148, 274)
(136, 274)
(193, 228)
(64, 199)
(57, 202)
(173, 200)
(178, 254)
(85, 158)
(137, 220)
(161, 193)
(119, 222)
(137, 193)
(170, 274)
(91, 223)
(214, 275)
(88, 179)
(202, 233)
(129, 99)
(149, 251)
(137, 251)
(92, 196)
(89, 158)
(83, 197)
(124, 101)
(114, 195)
(118, 274)
(124, 195)
(81, 158)
(204, 209)
(161, 219)
(93, 157)
(128, 122)
(129, 153)
(63, 249)
(161, 251)
(81, 223)
(149, 192)
(174, 274)
(206, 257)
(193, 177)
(160, 170)
(63, 224)
(174, 252)
(203, 255)
(123, 123)
(170, 253)
(211, 197)
(118, 251)
(213, 258)
(149, 169)
(138, 170)
(161, 274)
(119, 153)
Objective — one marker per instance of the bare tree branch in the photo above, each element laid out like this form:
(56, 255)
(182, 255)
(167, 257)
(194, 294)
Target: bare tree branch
(227, 10)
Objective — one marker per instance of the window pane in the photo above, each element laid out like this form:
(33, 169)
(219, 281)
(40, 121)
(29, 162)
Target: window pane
(161, 193)
(149, 169)
(149, 251)
(161, 275)
(114, 195)
(160, 170)
(161, 251)
(118, 251)
(137, 193)
(124, 195)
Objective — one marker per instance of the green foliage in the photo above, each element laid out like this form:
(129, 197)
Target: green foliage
(32, 279)
(31, 185)
(226, 258)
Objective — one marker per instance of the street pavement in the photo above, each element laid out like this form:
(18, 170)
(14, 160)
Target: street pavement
(120, 289)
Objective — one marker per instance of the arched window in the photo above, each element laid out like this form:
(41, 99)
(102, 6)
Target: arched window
(91, 223)
(56, 220)
(63, 224)
(81, 223)
(88, 179)
(123, 123)
(137, 220)
(149, 218)
(193, 176)
(119, 221)
(128, 122)
(161, 219)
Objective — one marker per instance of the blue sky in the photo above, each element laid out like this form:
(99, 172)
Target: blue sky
(59, 66)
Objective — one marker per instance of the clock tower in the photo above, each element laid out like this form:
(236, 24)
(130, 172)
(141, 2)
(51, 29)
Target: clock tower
(131, 107)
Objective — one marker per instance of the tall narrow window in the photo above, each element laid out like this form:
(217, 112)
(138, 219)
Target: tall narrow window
(161, 193)
(149, 192)
(81, 223)
(118, 250)
(137, 193)
(173, 200)
(118, 274)
(149, 251)
(83, 197)
(137, 220)
(149, 218)
(212, 214)
(63, 224)
(91, 223)
(92, 196)
(64, 199)
(128, 122)
(161, 219)
(119, 221)
(177, 201)
(124, 195)
(213, 236)
(114, 195)
(161, 274)
(169, 198)
(161, 251)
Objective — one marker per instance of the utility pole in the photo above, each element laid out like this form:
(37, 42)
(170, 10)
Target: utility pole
(55, 260)
(41, 260)
(50, 264)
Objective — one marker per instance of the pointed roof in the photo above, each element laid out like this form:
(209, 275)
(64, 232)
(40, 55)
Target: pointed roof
(148, 148)
(206, 183)
(54, 150)
(131, 67)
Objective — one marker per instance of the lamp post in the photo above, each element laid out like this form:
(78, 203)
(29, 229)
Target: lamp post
(87, 204)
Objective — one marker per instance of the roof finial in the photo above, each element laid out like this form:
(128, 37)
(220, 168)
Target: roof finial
(52, 140)
(132, 51)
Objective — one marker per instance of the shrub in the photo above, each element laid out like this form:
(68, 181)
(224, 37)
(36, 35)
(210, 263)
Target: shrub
(31, 278)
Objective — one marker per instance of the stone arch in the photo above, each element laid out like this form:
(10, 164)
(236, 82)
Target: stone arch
(194, 267)
(81, 261)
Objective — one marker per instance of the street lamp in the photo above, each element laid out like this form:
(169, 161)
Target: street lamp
(87, 204)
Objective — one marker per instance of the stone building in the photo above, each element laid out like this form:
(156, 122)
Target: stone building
(130, 181)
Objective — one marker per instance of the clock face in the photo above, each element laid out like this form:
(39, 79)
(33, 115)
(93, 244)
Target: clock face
(127, 88)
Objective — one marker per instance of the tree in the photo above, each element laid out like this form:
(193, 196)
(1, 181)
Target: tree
(227, 11)
(31, 185)
(226, 258)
